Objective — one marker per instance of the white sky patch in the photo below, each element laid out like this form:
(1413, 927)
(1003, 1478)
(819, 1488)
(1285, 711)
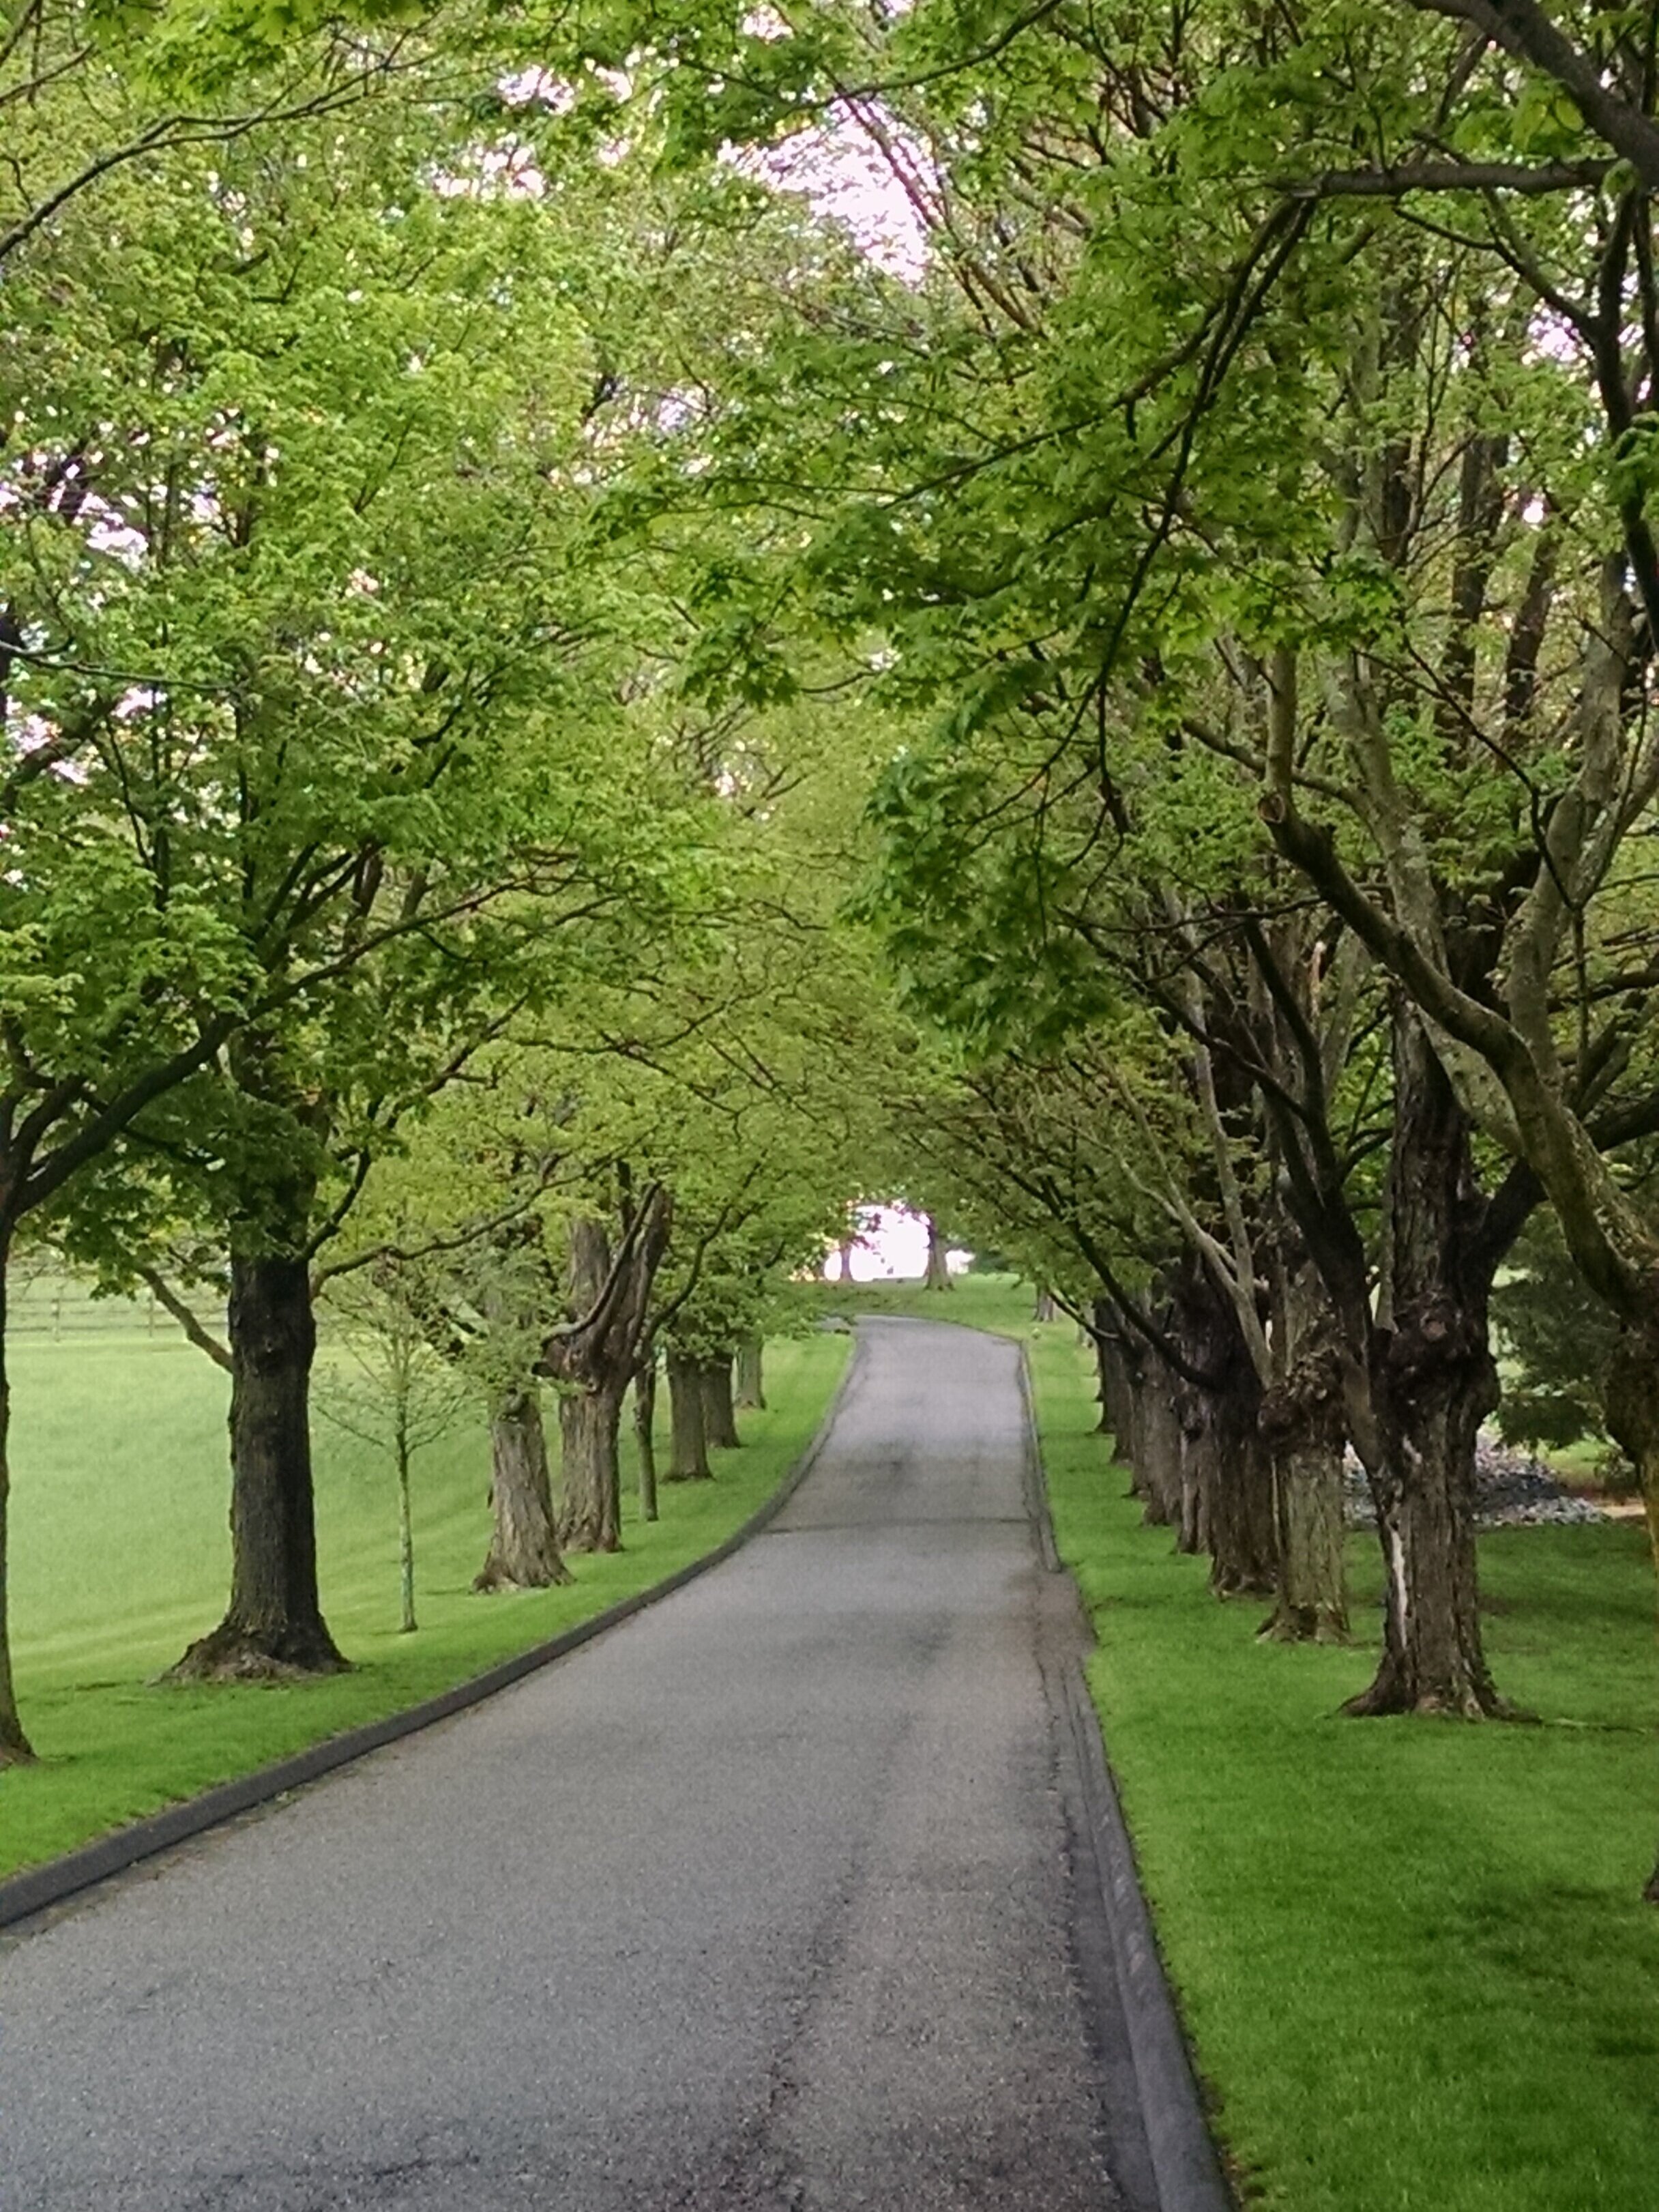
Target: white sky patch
(847, 177)
(893, 1247)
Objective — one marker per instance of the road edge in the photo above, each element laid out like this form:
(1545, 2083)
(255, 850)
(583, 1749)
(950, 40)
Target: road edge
(38, 1888)
(1186, 2164)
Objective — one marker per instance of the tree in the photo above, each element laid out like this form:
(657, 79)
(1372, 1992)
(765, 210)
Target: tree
(398, 1397)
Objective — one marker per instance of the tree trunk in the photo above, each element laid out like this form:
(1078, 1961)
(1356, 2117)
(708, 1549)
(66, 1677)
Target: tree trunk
(1433, 1381)
(590, 1513)
(1228, 1480)
(689, 1446)
(406, 1544)
(645, 1434)
(1302, 1426)
(1045, 1308)
(719, 1420)
(751, 1385)
(845, 1249)
(524, 1550)
(15, 1745)
(938, 1277)
(274, 1627)
(1158, 1446)
(1630, 1398)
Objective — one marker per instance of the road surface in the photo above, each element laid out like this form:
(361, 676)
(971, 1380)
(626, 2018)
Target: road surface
(761, 1903)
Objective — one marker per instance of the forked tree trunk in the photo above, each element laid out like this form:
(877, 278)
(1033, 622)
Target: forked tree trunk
(590, 1513)
(645, 1433)
(523, 1549)
(751, 1384)
(938, 1277)
(719, 1418)
(15, 1745)
(1433, 1381)
(845, 1249)
(274, 1626)
(688, 1460)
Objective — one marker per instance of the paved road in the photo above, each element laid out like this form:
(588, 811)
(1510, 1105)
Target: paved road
(762, 1903)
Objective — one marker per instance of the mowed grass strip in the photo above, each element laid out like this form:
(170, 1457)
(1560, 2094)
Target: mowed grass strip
(121, 1554)
(1411, 1953)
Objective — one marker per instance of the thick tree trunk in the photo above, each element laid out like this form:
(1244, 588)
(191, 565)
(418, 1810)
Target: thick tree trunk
(751, 1380)
(1302, 1426)
(14, 1746)
(719, 1418)
(845, 1249)
(1159, 1453)
(1044, 1307)
(1432, 1381)
(274, 1627)
(645, 1434)
(590, 1514)
(1112, 1390)
(524, 1550)
(938, 1277)
(1629, 1399)
(405, 1545)
(1243, 1539)
(688, 1460)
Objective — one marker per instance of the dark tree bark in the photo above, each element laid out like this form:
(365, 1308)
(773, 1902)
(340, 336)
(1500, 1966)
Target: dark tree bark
(524, 1548)
(1158, 1448)
(1111, 1385)
(14, 1746)
(689, 1445)
(751, 1384)
(1432, 1380)
(590, 1517)
(938, 1277)
(719, 1418)
(274, 1626)
(645, 1432)
(1630, 1397)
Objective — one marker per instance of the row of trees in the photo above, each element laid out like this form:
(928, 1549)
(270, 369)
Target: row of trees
(1244, 502)
(381, 914)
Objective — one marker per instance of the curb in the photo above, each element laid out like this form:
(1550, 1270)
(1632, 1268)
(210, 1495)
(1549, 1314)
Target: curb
(1185, 2164)
(23, 1895)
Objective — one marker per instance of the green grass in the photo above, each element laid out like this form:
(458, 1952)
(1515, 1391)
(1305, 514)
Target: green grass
(1411, 1953)
(121, 1554)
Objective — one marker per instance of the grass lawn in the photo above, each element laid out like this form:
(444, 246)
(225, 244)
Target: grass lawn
(1411, 1954)
(120, 1554)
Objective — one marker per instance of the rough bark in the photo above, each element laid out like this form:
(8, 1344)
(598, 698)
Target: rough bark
(590, 1511)
(14, 1746)
(1302, 1427)
(645, 1433)
(1158, 1435)
(938, 1277)
(1431, 1382)
(1631, 1401)
(594, 1355)
(274, 1626)
(688, 1460)
(523, 1548)
(719, 1420)
(751, 1380)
